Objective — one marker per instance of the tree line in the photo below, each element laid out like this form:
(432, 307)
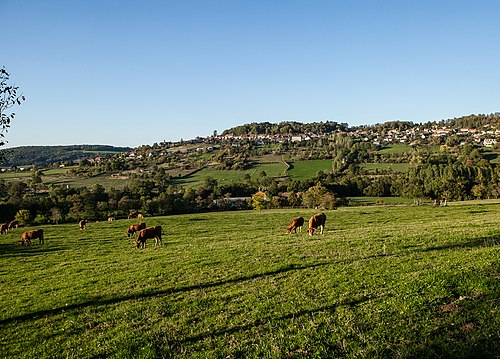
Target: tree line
(442, 175)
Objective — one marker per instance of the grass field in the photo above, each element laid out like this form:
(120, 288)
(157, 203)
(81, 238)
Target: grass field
(382, 282)
(395, 167)
(58, 176)
(365, 200)
(307, 169)
(197, 179)
(401, 148)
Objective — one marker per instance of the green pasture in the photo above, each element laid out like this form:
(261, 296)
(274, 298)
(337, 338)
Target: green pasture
(378, 200)
(104, 180)
(394, 149)
(395, 167)
(400, 148)
(228, 176)
(307, 169)
(381, 282)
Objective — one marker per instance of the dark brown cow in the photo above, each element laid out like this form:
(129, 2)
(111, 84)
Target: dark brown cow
(318, 220)
(82, 224)
(3, 228)
(295, 224)
(132, 215)
(26, 237)
(136, 227)
(146, 233)
(14, 224)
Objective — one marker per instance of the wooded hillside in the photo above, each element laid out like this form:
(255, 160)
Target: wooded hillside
(43, 155)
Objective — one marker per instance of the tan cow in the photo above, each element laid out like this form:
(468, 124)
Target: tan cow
(295, 224)
(147, 233)
(82, 224)
(136, 227)
(3, 228)
(13, 224)
(111, 219)
(26, 237)
(318, 220)
(140, 215)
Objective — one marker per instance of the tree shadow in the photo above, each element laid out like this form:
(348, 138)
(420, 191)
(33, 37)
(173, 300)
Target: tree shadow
(486, 241)
(262, 321)
(16, 250)
(101, 301)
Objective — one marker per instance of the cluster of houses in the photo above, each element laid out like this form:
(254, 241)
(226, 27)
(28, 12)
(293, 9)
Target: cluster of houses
(485, 137)
(489, 137)
(411, 136)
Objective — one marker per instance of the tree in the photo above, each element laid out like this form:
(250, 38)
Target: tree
(8, 98)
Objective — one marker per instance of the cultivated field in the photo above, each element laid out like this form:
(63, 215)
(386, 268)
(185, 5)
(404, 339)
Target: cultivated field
(382, 282)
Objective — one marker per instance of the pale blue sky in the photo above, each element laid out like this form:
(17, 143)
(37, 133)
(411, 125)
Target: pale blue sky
(128, 73)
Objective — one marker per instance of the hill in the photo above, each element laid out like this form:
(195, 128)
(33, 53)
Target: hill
(44, 155)
(382, 282)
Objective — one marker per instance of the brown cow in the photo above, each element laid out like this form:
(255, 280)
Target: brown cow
(111, 219)
(3, 228)
(318, 220)
(146, 233)
(13, 224)
(132, 214)
(26, 237)
(295, 224)
(140, 215)
(136, 227)
(82, 224)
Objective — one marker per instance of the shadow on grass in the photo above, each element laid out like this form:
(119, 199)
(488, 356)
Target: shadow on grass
(487, 241)
(16, 250)
(491, 240)
(263, 321)
(100, 301)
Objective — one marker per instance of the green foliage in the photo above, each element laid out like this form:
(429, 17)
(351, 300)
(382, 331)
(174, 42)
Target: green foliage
(382, 282)
(23, 216)
(259, 201)
(44, 155)
(9, 97)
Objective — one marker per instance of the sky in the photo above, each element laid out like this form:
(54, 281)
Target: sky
(132, 73)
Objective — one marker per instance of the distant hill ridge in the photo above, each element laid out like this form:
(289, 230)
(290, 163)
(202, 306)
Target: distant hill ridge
(43, 155)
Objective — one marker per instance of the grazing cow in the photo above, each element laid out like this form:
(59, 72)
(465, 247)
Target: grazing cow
(296, 223)
(136, 227)
(26, 237)
(318, 220)
(132, 214)
(146, 233)
(111, 219)
(3, 228)
(140, 215)
(13, 224)
(82, 224)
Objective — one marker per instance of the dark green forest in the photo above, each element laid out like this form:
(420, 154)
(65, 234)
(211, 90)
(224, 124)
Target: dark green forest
(44, 155)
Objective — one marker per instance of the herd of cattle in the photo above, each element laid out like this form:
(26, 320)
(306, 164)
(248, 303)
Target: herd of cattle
(316, 221)
(144, 233)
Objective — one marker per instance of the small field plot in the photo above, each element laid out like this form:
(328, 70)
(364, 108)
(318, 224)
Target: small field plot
(395, 167)
(378, 200)
(222, 176)
(381, 282)
(301, 170)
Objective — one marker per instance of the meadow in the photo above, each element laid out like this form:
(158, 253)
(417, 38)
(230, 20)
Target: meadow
(382, 281)
(226, 176)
